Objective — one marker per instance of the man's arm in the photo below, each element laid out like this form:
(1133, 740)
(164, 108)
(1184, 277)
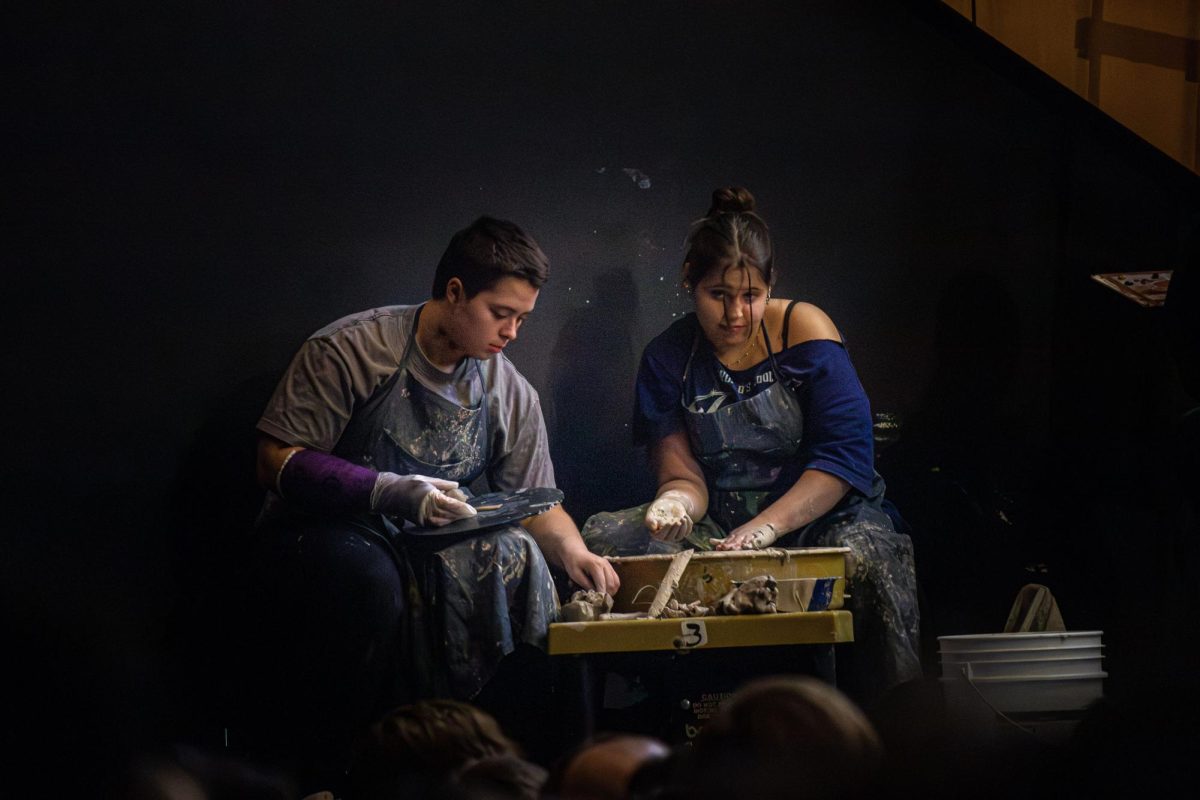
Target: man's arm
(272, 454)
(327, 484)
(524, 460)
(559, 539)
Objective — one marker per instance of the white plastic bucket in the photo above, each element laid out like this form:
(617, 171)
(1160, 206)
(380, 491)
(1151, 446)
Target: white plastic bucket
(1022, 672)
(1018, 641)
(1023, 694)
(1026, 667)
(1067, 653)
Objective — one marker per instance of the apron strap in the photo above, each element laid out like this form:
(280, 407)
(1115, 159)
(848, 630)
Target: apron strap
(787, 320)
(762, 323)
(687, 367)
(412, 339)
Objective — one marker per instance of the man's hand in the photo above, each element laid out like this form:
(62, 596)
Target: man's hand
(591, 571)
(751, 536)
(557, 536)
(426, 501)
(669, 517)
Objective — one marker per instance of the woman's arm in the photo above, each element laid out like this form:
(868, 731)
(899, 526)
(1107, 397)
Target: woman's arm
(810, 497)
(681, 488)
(816, 492)
(678, 470)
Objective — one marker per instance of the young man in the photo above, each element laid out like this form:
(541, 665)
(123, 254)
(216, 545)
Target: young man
(383, 416)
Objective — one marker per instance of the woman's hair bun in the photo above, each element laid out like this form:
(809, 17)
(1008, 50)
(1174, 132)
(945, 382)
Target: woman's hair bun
(731, 200)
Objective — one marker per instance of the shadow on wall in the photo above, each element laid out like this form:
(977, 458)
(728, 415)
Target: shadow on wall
(594, 360)
(963, 471)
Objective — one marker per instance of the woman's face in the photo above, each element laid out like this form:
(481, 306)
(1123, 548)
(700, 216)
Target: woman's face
(730, 304)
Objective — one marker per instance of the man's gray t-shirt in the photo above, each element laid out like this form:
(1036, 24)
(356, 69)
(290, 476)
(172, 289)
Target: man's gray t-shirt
(340, 366)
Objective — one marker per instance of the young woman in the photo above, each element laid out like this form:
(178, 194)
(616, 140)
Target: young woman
(760, 434)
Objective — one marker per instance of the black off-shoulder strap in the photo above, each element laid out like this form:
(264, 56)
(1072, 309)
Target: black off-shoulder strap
(787, 320)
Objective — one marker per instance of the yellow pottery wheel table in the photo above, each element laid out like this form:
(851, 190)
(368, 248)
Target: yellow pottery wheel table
(665, 677)
(752, 630)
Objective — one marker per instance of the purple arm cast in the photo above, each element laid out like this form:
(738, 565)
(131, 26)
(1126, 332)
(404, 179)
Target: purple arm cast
(326, 484)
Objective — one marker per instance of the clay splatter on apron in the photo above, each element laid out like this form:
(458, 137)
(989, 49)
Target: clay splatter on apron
(470, 602)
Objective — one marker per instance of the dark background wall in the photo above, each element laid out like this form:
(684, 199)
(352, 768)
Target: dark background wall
(201, 185)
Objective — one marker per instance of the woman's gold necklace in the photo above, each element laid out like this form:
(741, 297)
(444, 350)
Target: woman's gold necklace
(753, 343)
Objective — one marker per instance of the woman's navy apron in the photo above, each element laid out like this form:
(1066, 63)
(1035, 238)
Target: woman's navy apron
(745, 446)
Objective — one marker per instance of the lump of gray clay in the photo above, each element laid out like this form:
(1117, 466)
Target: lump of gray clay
(577, 611)
(677, 610)
(755, 595)
(585, 606)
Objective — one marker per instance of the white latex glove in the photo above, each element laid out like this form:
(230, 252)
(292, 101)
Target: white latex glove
(429, 502)
(669, 517)
(748, 537)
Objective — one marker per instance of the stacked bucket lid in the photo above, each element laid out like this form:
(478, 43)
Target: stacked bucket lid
(1023, 673)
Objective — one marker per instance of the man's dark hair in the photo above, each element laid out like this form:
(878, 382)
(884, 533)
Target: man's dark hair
(486, 251)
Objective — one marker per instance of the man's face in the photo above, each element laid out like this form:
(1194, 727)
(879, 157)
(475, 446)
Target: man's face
(480, 327)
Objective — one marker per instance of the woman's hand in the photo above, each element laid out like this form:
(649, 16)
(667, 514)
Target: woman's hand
(811, 496)
(669, 517)
(751, 536)
(682, 496)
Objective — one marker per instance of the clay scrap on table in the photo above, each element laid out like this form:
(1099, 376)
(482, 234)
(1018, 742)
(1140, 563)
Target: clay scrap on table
(586, 606)
(756, 595)
(676, 610)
